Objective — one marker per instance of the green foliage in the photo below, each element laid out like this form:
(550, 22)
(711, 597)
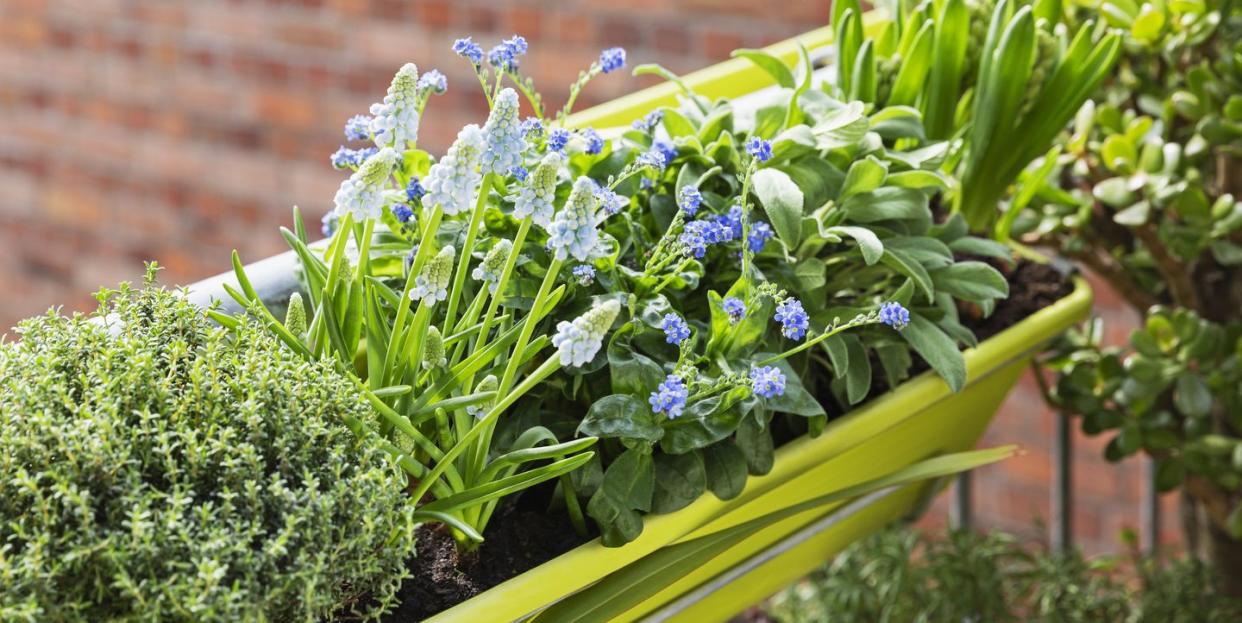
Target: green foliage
(898, 576)
(848, 196)
(651, 574)
(158, 468)
(836, 222)
(1143, 190)
(1005, 78)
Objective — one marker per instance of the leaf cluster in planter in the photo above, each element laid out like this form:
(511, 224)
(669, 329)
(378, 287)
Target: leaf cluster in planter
(1002, 78)
(692, 277)
(846, 224)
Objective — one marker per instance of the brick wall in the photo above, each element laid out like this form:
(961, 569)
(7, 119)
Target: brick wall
(176, 131)
(152, 129)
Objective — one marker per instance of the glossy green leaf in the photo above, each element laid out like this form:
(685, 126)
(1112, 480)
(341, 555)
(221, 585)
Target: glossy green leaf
(782, 201)
(937, 349)
(679, 480)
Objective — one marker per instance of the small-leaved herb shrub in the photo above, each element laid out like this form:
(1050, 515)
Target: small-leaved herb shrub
(159, 468)
(897, 575)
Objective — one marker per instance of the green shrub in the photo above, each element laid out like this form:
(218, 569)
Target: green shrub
(898, 576)
(154, 468)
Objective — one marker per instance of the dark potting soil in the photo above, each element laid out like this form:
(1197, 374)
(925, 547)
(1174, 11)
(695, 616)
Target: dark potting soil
(517, 540)
(525, 534)
(1032, 287)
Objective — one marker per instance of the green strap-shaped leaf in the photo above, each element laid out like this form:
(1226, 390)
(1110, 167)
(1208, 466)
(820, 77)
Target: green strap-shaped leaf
(774, 66)
(948, 60)
(622, 590)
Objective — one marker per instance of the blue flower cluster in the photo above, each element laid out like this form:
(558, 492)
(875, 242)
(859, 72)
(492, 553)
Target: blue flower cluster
(358, 128)
(734, 308)
(767, 381)
(697, 235)
(666, 149)
(675, 329)
(609, 201)
(362, 194)
(670, 397)
(519, 173)
(894, 315)
(505, 55)
(649, 122)
(611, 60)
(532, 127)
(579, 341)
(760, 232)
(492, 267)
(454, 179)
(573, 231)
(759, 148)
(689, 199)
(345, 158)
(534, 198)
(402, 213)
(653, 158)
(469, 50)
(394, 121)
(432, 82)
(503, 135)
(414, 190)
(557, 139)
(794, 320)
(585, 274)
(594, 142)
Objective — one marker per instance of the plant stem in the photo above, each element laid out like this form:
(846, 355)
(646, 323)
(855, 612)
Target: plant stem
(671, 276)
(467, 250)
(424, 251)
(528, 326)
(811, 342)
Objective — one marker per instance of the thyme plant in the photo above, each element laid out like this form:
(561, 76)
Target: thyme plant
(158, 467)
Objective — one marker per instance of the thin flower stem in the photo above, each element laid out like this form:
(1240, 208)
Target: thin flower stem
(536, 104)
(817, 339)
(626, 174)
(671, 276)
(505, 273)
(528, 326)
(467, 250)
(574, 90)
(424, 251)
(747, 254)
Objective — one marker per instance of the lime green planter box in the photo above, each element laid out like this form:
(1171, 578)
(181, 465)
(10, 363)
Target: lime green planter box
(919, 419)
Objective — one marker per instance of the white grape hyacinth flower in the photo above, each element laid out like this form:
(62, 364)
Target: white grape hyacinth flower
(577, 342)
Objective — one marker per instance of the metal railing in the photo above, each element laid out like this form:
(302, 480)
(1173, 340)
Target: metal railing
(1061, 492)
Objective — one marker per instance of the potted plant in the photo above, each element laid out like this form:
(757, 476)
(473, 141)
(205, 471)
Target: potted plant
(1143, 191)
(724, 276)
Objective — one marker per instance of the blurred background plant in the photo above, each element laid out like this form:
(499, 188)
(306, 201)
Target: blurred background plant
(902, 575)
(1143, 191)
